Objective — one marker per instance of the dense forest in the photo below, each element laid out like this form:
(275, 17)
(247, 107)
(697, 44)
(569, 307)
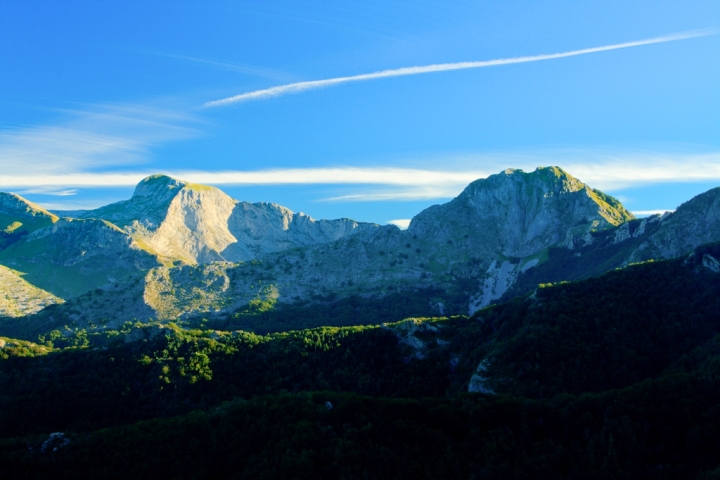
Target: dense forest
(609, 377)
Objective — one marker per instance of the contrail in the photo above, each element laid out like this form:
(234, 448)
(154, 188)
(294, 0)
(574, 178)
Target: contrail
(442, 67)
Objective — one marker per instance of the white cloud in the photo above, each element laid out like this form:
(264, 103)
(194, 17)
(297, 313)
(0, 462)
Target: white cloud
(99, 137)
(297, 176)
(617, 171)
(48, 191)
(338, 175)
(442, 67)
(402, 223)
(404, 193)
(605, 170)
(88, 204)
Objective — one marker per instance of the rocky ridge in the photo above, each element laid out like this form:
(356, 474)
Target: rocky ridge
(656, 237)
(694, 223)
(437, 251)
(201, 224)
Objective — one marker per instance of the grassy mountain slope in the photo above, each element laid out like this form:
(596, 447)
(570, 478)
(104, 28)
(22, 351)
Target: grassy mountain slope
(74, 256)
(19, 298)
(19, 217)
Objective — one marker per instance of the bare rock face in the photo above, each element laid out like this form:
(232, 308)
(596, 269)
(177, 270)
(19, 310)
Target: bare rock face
(201, 224)
(516, 214)
(262, 228)
(504, 222)
(19, 298)
(673, 234)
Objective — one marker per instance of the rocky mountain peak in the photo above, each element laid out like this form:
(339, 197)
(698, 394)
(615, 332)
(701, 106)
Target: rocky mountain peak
(152, 202)
(158, 186)
(516, 213)
(197, 223)
(546, 179)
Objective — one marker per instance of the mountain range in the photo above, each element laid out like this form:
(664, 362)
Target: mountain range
(177, 250)
(531, 327)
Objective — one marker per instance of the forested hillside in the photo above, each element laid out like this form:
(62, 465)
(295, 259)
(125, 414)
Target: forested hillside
(611, 377)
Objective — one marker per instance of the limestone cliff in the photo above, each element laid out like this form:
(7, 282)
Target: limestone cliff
(201, 224)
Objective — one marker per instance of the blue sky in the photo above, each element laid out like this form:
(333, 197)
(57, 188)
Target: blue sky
(96, 95)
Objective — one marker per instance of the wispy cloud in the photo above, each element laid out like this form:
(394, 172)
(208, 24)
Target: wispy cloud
(94, 138)
(87, 204)
(403, 193)
(605, 170)
(631, 169)
(48, 191)
(242, 68)
(292, 176)
(443, 67)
